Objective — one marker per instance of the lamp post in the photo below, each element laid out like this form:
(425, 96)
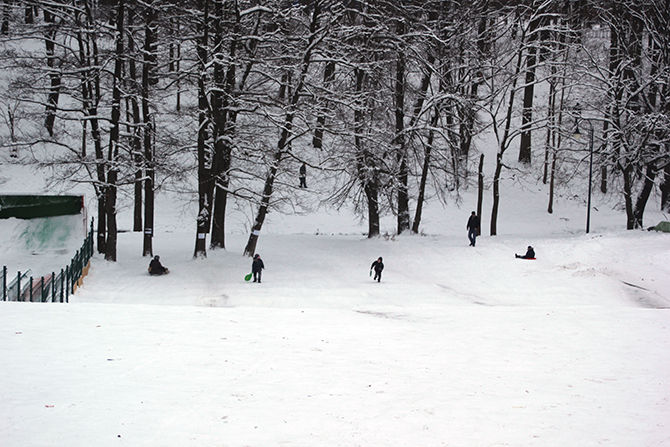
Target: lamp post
(588, 200)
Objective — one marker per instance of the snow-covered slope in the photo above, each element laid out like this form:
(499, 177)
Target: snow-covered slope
(457, 346)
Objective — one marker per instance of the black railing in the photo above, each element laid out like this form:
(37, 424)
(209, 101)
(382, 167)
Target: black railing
(53, 287)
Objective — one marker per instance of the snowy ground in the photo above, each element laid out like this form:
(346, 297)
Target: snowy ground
(457, 346)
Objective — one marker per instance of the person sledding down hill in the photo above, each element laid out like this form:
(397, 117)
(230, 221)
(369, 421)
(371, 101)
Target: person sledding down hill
(530, 254)
(156, 268)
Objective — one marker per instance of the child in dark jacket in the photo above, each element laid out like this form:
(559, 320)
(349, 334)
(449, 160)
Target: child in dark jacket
(377, 266)
(256, 267)
(156, 268)
(530, 254)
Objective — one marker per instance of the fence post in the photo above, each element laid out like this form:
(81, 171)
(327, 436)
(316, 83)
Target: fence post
(90, 248)
(31, 289)
(4, 283)
(53, 287)
(91, 238)
(75, 270)
(62, 284)
(18, 286)
(67, 282)
(42, 289)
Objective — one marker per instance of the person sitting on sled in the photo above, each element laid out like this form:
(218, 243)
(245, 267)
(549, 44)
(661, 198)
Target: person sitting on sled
(156, 268)
(377, 266)
(530, 254)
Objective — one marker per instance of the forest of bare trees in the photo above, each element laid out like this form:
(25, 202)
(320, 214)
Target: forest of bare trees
(224, 99)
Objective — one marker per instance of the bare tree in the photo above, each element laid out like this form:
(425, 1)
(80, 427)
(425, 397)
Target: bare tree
(317, 28)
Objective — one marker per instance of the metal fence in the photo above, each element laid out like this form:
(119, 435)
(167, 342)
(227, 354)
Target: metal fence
(56, 287)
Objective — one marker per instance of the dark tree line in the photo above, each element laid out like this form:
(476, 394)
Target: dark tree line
(226, 98)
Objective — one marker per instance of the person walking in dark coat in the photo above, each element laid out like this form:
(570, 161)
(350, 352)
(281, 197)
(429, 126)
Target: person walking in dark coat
(156, 268)
(256, 267)
(303, 176)
(377, 266)
(530, 254)
(473, 228)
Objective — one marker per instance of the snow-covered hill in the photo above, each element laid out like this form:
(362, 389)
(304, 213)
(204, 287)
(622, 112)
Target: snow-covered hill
(456, 346)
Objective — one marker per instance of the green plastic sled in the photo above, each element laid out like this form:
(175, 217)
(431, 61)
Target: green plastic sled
(248, 277)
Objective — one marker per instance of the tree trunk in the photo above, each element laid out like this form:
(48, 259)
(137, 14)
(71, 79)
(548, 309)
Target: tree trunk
(503, 146)
(204, 174)
(556, 137)
(627, 174)
(424, 172)
(416, 114)
(171, 46)
(54, 73)
(665, 187)
(134, 116)
(148, 78)
(467, 123)
(4, 28)
(372, 195)
(642, 199)
(496, 195)
(403, 169)
(328, 78)
(525, 149)
(224, 123)
(177, 66)
(250, 248)
(552, 177)
(88, 53)
(468, 115)
(287, 128)
(365, 165)
(480, 192)
(29, 16)
(110, 211)
(550, 128)
(110, 199)
(102, 220)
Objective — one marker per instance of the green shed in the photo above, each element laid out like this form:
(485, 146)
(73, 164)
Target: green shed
(33, 206)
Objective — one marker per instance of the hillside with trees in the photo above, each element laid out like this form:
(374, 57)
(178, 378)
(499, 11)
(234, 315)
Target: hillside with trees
(223, 100)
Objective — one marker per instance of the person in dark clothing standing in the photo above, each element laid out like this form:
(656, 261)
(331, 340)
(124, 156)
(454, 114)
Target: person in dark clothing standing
(156, 268)
(377, 266)
(530, 254)
(303, 176)
(473, 228)
(256, 267)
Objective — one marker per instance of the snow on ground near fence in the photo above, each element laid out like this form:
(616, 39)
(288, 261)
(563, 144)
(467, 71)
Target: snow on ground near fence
(456, 346)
